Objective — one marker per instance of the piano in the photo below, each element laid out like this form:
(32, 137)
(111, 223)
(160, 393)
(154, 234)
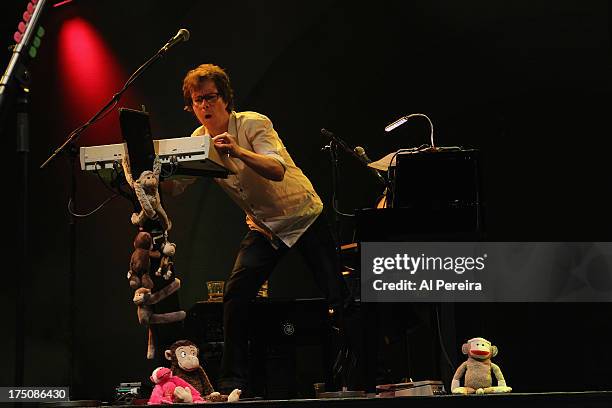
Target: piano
(190, 156)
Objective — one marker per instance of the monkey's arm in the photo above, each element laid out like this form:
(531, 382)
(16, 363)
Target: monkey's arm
(207, 386)
(498, 375)
(157, 396)
(163, 217)
(501, 382)
(457, 377)
(164, 292)
(143, 199)
(127, 171)
(157, 165)
(197, 397)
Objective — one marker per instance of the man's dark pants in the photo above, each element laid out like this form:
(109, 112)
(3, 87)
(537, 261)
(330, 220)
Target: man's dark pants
(255, 262)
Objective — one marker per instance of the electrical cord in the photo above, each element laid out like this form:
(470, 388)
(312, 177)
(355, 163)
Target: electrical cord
(120, 192)
(97, 171)
(70, 210)
(336, 210)
(115, 180)
(173, 165)
(391, 185)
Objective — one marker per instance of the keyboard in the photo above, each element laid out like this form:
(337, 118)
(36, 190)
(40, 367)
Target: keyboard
(192, 156)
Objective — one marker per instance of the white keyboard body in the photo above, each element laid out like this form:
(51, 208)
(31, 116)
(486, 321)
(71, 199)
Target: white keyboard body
(190, 155)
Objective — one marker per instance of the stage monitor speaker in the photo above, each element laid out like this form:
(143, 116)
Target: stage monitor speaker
(204, 326)
(290, 345)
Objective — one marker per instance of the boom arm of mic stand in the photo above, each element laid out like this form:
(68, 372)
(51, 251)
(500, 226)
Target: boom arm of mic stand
(350, 151)
(342, 144)
(77, 132)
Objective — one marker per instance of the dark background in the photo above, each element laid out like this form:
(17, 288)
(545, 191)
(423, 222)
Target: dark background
(526, 82)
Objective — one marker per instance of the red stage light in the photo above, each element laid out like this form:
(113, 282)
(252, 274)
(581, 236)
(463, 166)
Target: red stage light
(90, 75)
(23, 24)
(61, 3)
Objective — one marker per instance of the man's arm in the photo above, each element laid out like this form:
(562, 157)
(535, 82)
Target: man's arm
(266, 166)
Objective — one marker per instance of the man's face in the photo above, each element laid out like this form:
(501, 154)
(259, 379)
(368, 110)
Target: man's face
(208, 106)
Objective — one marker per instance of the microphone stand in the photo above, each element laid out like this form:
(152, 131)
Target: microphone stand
(345, 359)
(23, 152)
(341, 143)
(14, 84)
(332, 148)
(72, 137)
(70, 148)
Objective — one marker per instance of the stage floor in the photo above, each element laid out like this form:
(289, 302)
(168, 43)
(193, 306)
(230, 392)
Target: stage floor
(594, 399)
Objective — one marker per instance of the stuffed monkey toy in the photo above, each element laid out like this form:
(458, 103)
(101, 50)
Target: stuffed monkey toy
(143, 298)
(477, 370)
(168, 249)
(146, 188)
(170, 389)
(185, 364)
(140, 263)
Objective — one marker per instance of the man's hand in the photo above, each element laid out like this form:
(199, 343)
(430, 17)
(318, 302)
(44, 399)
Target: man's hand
(226, 144)
(263, 165)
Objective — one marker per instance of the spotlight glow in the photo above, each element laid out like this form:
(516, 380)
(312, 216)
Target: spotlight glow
(62, 3)
(89, 75)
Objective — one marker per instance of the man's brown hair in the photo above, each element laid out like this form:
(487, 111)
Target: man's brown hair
(204, 72)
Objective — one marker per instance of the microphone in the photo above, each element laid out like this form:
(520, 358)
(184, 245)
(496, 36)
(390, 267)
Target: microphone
(340, 142)
(182, 35)
(360, 151)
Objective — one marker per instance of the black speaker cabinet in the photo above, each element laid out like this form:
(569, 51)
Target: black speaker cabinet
(204, 326)
(290, 347)
(289, 344)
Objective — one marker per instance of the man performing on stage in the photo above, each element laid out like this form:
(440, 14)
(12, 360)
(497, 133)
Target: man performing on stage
(283, 211)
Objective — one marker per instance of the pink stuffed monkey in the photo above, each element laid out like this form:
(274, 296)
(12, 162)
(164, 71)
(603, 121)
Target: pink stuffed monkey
(170, 389)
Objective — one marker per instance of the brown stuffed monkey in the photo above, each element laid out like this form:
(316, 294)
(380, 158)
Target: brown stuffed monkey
(186, 365)
(477, 370)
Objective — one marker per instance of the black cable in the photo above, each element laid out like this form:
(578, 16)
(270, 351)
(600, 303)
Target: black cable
(120, 181)
(115, 175)
(391, 180)
(173, 168)
(336, 210)
(97, 171)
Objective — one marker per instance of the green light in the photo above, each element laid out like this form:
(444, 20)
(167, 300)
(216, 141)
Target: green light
(36, 41)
